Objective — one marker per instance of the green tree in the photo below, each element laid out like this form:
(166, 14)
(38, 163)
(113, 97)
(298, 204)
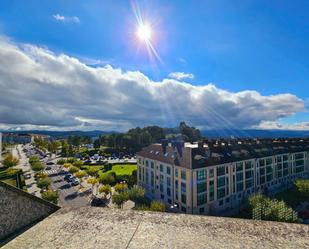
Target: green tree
(44, 182)
(51, 196)
(157, 206)
(33, 159)
(10, 161)
(73, 169)
(107, 178)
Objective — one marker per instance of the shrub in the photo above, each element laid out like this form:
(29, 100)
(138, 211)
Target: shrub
(61, 161)
(44, 182)
(121, 187)
(51, 196)
(93, 171)
(264, 208)
(10, 161)
(67, 165)
(73, 169)
(106, 178)
(33, 159)
(71, 160)
(106, 189)
(37, 166)
(41, 175)
(120, 198)
(157, 206)
(78, 163)
(137, 194)
(303, 187)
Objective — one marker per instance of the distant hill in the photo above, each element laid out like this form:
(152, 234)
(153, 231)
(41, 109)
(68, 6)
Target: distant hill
(64, 134)
(206, 133)
(254, 133)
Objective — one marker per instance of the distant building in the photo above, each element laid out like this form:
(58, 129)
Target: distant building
(212, 177)
(21, 138)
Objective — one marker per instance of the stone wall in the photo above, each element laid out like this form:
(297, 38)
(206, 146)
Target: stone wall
(19, 209)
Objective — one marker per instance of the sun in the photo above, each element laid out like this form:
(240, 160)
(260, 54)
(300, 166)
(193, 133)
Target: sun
(144, 32)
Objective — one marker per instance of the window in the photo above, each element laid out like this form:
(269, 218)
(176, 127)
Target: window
(176, 184)
(211, 173)
(239, 167)
(248, 165)
(152, 178)
(220, 193)
(140, 173)
(161, 168)
(239, 176)
(240, 186)
(285, 158)
(249, 174)
(249, 183)
(221, 171)
(269, 161)
(201, 199)
(183, 174)
(183, 198)
(152, 165)
(168, 170)
(168, 181)
(221, 203)
(201, 187)
(221, 181)
(161, 187)
(147, 163)
(183, 187)
(176, 172)
(147, 176)
(262, 162)
(168, 191)
(201, 175)
(211, 191)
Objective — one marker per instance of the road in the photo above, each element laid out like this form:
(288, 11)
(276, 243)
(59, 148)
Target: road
(68, 195)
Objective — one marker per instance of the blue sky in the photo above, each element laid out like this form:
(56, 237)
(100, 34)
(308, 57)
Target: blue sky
(236, 45)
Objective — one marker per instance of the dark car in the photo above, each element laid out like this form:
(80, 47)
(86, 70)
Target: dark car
(48, 168)
(50, 163)
(68, 177)
(98, 202)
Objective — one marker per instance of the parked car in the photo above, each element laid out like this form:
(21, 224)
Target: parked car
(50, 163)
(48, 168)
(75, 181)
(68, 177)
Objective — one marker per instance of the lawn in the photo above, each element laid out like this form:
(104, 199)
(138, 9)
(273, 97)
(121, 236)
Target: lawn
(123, 169)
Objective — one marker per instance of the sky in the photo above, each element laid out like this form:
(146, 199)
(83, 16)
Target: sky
(80, 65)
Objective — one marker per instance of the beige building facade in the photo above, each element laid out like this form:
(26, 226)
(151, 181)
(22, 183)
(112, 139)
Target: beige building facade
(192, 178)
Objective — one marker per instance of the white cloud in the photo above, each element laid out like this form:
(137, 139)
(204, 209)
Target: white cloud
(40, 89)
(61, 18)
(275, 125)
(181, 75)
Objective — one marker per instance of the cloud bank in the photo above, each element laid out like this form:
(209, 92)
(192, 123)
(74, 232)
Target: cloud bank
(40, 89)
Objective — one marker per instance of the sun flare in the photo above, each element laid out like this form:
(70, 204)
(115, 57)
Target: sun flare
(144, 32)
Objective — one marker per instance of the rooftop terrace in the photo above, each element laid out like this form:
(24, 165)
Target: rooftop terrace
(110, 228)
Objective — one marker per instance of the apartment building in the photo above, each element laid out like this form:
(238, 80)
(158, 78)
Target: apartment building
(213, 176)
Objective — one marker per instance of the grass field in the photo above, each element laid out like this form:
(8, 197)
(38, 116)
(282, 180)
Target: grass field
(123, 169)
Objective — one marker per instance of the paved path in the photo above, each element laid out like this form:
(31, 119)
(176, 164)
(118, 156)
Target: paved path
(28, 172)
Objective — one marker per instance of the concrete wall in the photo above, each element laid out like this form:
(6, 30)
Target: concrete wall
(19, 210)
